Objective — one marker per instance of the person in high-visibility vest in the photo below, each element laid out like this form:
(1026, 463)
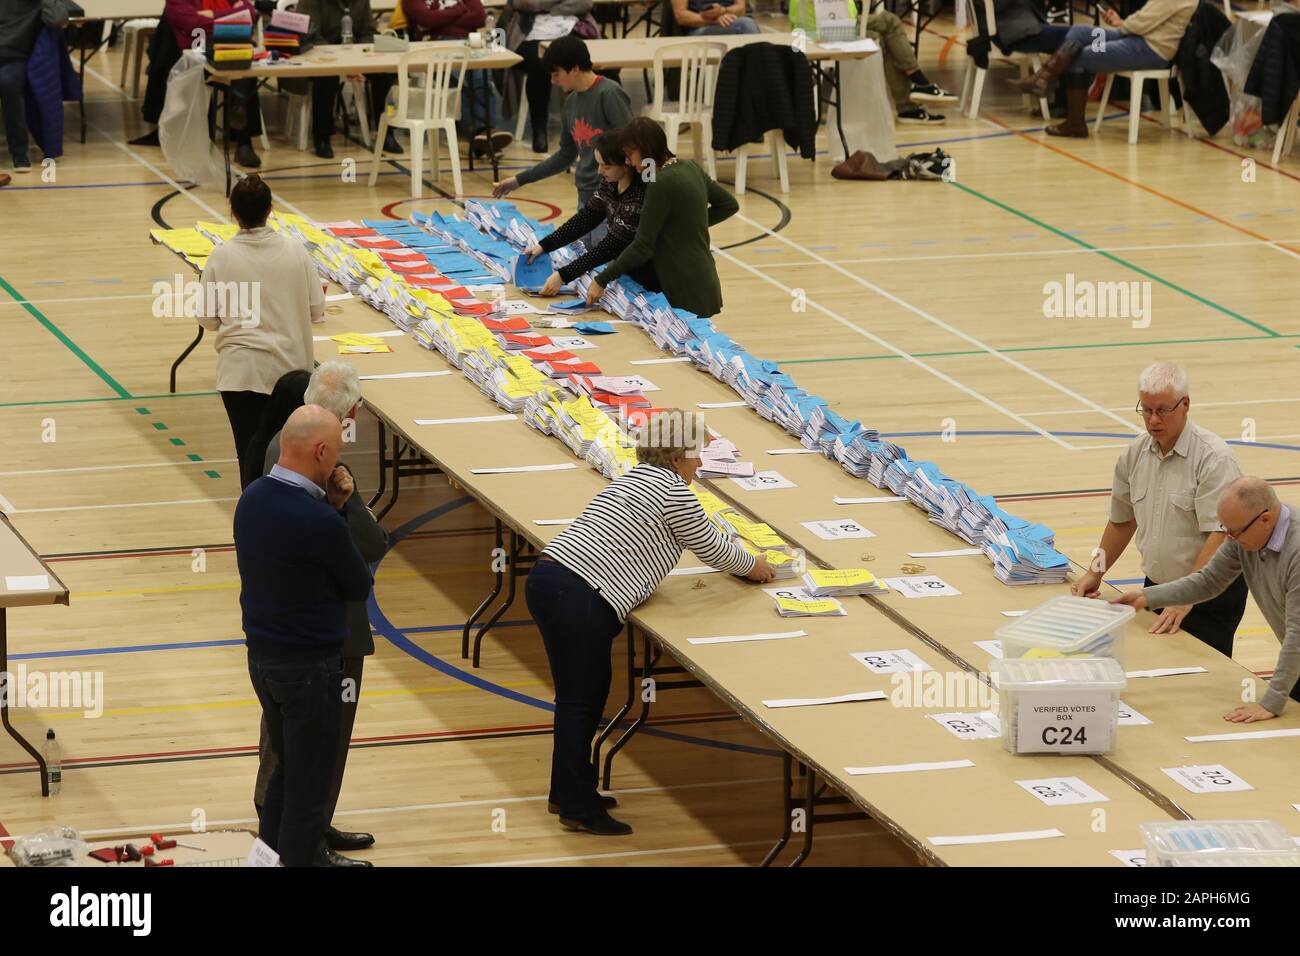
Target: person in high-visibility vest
(910, 89)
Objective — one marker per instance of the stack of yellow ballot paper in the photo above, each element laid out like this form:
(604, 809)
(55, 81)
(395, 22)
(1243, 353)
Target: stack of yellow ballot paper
(797, 602)
(355, 343)
(786, 566)
(844, 582)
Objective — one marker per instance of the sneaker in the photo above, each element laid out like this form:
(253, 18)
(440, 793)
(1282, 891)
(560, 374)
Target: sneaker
(601, 825)
(244, 156)
(930, 93)
(22, 165)
(920, 116)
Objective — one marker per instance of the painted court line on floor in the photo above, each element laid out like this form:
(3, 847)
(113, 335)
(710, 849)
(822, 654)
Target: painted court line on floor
(934, 320)
(625, 854)
(147, 464)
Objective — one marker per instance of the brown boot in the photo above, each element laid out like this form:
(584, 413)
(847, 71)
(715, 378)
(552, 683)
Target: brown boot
(1056, 64)
(1076, 103)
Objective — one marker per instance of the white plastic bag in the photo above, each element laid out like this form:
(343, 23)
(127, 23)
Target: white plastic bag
(183, 126)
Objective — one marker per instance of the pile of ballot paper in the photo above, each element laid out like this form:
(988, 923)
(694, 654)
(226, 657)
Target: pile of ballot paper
(721, 459)
(232, 41)
(842, 582)
(797, 602)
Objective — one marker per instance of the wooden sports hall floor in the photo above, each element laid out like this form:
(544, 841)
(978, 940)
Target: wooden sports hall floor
(924, 314)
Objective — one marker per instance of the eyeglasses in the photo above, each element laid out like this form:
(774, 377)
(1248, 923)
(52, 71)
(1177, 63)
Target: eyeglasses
(1162, 412)
(1236, 535)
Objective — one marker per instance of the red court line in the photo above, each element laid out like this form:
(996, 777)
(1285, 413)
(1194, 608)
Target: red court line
(431, 735)
(6, 844)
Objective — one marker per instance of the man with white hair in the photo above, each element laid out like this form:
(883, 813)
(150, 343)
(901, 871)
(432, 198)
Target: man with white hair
(298, 568)
(1166, 486)
(1263, 545)
(335, 387)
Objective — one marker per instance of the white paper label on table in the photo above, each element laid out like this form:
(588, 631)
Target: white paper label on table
(520, 468)
(698, 569)
(544, 522)
(891, 662)
(520, 307)
(1066, 721)
(794, 451)
(261, 854)
(833, 530)
(818, 701)
(721, 404)
(864, 45)
(466, 421)
(1207, 778)
(1013, 837)
(623, 384)
(764, 481)
(1130, 857)
(921, 586)
(338, 297)
(984, 725)
(386, 334)
(371, 378)
(993, 647)
(737, 638)
(1166, 672)
(1128, 717)
(1062, 791)
(663, 361)
(879, 499)
(27, 582)
(910, 767)
(955, 553)
(1014, 613)
(1244, 735)
(567, 343)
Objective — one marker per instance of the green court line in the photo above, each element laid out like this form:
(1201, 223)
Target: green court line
(109, 398)
(177, 442)
(193, 457)
(1038, 348)
(1117, 260)
(72, 346)
(142, 411)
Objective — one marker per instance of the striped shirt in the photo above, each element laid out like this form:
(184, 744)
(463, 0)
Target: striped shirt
(633, 533)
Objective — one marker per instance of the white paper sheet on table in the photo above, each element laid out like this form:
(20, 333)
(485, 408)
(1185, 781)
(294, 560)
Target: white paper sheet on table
(738, 638)
(909, 767)
(818, 701)
(473, 419)
(721, 404)
(880, 499)
(1011, 837)
(515, 469)
(371, 378)
(27, 582)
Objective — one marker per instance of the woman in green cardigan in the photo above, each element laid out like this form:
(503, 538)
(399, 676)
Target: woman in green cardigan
(681, 203)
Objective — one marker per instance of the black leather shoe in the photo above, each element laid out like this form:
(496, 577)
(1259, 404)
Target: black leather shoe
(391, 145)
(148, 139)
(324, 150)
(333, 859)
(244, 156)
(602, 825)
(539, 141)
(606, 802)
(345, 840)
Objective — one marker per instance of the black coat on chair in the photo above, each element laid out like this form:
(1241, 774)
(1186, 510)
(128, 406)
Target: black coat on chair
(763, 86)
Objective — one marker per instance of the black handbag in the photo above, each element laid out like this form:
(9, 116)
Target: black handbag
(55, 13)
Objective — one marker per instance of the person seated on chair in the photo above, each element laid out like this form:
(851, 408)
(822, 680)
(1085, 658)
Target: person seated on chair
(187, 18)
(480, 103)
(1144, 40)
(910, 88)
(615, 204)
(595, 104)
(708, 18)
(327, 25)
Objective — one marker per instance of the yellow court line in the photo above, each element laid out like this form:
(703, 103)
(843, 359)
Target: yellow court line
(254, 702)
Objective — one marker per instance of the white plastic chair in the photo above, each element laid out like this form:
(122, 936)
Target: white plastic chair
(1136, 78)
(427, 108)
(135, 40)
(972, 86)
(1285, 141)
(699, 61)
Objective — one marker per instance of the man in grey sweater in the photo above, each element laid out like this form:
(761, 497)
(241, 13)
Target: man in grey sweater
(1263, 544)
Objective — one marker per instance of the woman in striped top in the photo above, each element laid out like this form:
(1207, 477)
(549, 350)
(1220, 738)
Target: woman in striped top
(594, 573)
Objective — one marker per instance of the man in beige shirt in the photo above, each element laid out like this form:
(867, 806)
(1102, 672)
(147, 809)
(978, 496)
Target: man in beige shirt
(1166, 491)
(261, 295)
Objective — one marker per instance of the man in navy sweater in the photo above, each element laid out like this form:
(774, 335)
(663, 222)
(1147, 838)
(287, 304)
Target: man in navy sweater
(298, 568)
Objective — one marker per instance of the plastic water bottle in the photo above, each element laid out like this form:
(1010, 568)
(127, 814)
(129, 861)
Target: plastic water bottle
(490, 26)
(53, 762)
(346, 27)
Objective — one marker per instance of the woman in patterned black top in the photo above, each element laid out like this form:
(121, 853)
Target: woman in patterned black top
(617, 203)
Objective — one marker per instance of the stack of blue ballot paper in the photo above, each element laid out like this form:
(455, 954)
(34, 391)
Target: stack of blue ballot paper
(531, 276)
(1022, 559)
